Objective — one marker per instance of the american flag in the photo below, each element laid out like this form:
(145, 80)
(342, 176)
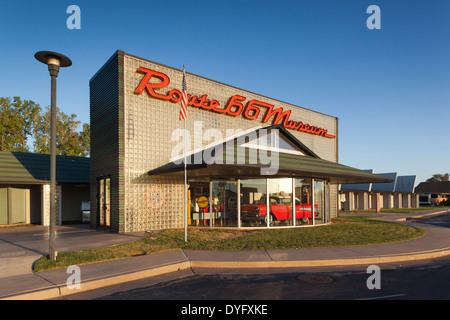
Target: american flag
(184, 98)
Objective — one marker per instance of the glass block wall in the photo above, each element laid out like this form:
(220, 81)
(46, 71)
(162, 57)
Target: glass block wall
(157, 202)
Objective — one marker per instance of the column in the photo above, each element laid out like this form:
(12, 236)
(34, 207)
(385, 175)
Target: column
(45, 205)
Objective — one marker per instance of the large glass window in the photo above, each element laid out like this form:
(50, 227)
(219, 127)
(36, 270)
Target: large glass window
(263, 203)
(253, 202)
(271, 140)
(280, 195)
(199, 203)
(319, 201)
(303, 201)
(224, 204)
(104, 192)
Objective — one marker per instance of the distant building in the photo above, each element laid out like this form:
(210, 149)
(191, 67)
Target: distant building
(397, 194)
(433, 193)
(25, 188)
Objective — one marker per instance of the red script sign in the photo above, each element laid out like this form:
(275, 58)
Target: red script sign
(235, 106)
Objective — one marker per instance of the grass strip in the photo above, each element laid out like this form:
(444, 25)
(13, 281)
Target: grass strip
(395, 210)
(344, 231)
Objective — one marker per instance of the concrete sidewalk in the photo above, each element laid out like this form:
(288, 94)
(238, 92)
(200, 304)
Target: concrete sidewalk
(20, 246)
(52, 284)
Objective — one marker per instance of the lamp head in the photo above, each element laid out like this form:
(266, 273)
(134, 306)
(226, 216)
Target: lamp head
(53, 60)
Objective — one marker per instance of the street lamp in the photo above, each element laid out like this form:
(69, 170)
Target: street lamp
(54, 61)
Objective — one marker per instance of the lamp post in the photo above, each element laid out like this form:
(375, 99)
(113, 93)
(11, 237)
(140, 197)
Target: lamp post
(54, 61)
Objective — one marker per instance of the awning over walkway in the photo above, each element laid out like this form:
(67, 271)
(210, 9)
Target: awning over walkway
(288, 166)
(33, 168)
(244, 163)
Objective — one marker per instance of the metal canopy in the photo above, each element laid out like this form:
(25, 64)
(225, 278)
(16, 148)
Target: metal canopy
(223, 171)
(33, 168)
(247, 163)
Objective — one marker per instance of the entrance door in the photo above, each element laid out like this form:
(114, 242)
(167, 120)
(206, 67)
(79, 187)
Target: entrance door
(18, 205)
(3, 205)
(104, 202)
(14, 205)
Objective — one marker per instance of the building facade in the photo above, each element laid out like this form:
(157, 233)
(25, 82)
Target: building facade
(400, 193)
(135, 137)
(25, 188)
(434, 192)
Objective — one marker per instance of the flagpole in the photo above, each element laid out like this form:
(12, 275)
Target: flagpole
(185, 185)
(185, 176)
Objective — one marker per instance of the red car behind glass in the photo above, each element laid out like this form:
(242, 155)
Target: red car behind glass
(280, 209)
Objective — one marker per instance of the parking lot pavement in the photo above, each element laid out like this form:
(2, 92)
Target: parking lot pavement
(20, 246)
(441, 219)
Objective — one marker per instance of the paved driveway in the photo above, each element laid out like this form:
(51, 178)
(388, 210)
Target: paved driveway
(20, 246)
(442, 220)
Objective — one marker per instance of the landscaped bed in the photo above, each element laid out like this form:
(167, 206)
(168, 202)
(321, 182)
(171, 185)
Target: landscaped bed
(344, 231)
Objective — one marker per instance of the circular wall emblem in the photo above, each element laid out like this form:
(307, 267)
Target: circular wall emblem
(202, 202)
(154, 197)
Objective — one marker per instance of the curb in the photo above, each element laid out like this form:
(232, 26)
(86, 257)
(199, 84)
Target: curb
(431, 254)
(62, 290)
(422, 215)
(39, 294)
(96, 283)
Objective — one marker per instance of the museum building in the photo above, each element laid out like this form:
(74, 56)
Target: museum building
(251, 161)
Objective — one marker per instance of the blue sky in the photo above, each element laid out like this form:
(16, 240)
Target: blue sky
(389, 87)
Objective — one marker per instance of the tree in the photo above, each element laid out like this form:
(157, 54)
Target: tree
(438, 177)
(23, 120)
(17, 121)
(69, 142)
(85, 138)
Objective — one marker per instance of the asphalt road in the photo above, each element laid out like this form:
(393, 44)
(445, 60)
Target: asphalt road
(429, 280)
(442, 220)
(426, 280)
